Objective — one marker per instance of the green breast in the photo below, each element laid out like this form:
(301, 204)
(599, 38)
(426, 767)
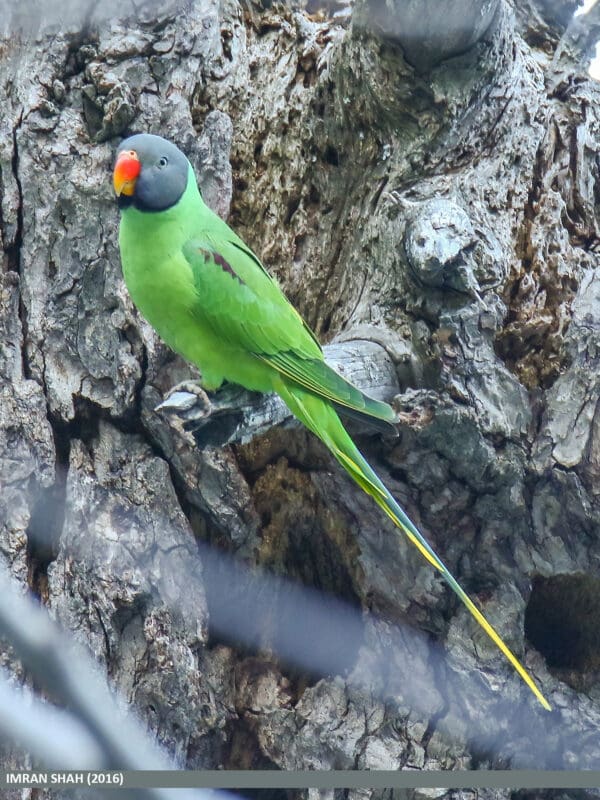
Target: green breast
(161, 283)
(157, 275)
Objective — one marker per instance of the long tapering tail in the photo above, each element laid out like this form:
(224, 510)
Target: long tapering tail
(319, 416)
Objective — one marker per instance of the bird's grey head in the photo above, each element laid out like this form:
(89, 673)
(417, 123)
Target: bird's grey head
(150, 173)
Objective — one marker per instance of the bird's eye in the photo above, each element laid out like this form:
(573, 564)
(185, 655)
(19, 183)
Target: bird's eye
(163, 162)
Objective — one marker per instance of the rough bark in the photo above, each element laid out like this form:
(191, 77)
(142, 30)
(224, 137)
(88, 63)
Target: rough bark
(443, 195)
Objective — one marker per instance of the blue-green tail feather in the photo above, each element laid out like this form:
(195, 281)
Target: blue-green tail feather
(321, 418)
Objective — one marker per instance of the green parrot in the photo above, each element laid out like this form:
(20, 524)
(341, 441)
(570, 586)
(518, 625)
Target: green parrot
(211, 300)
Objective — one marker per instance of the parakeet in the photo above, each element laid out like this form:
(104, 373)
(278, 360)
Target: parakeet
(211, 300)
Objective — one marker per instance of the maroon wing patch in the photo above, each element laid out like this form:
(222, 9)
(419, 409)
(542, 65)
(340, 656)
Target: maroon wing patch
(220, 260)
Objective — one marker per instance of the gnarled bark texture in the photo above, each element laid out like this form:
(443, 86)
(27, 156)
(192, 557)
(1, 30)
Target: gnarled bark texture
(430, 189)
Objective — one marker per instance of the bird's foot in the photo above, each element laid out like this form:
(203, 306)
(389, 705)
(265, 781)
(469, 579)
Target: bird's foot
(185, 405)
(395, 198)
(187, 400)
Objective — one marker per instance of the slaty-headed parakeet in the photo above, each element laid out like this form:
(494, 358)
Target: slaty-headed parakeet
(209, 298)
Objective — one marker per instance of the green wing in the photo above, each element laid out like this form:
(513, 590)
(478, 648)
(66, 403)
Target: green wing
(244, 306)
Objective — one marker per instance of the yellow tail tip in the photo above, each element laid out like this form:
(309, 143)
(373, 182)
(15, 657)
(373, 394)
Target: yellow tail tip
(369, 482)
(542, 699)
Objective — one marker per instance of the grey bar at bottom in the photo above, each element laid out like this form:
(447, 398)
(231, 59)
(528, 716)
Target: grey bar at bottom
(351, 779)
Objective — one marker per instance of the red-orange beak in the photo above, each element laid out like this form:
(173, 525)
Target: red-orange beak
(125, 173)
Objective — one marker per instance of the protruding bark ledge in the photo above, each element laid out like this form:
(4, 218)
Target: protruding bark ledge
(237, 416)
(429, 31)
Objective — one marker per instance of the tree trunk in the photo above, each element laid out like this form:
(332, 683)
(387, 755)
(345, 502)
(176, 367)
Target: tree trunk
(422, 176)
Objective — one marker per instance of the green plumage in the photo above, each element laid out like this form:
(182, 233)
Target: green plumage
(209, 298)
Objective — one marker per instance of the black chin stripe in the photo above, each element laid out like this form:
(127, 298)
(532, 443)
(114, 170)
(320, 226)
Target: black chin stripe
(141, 206)
(124, 201)
(130, 201)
